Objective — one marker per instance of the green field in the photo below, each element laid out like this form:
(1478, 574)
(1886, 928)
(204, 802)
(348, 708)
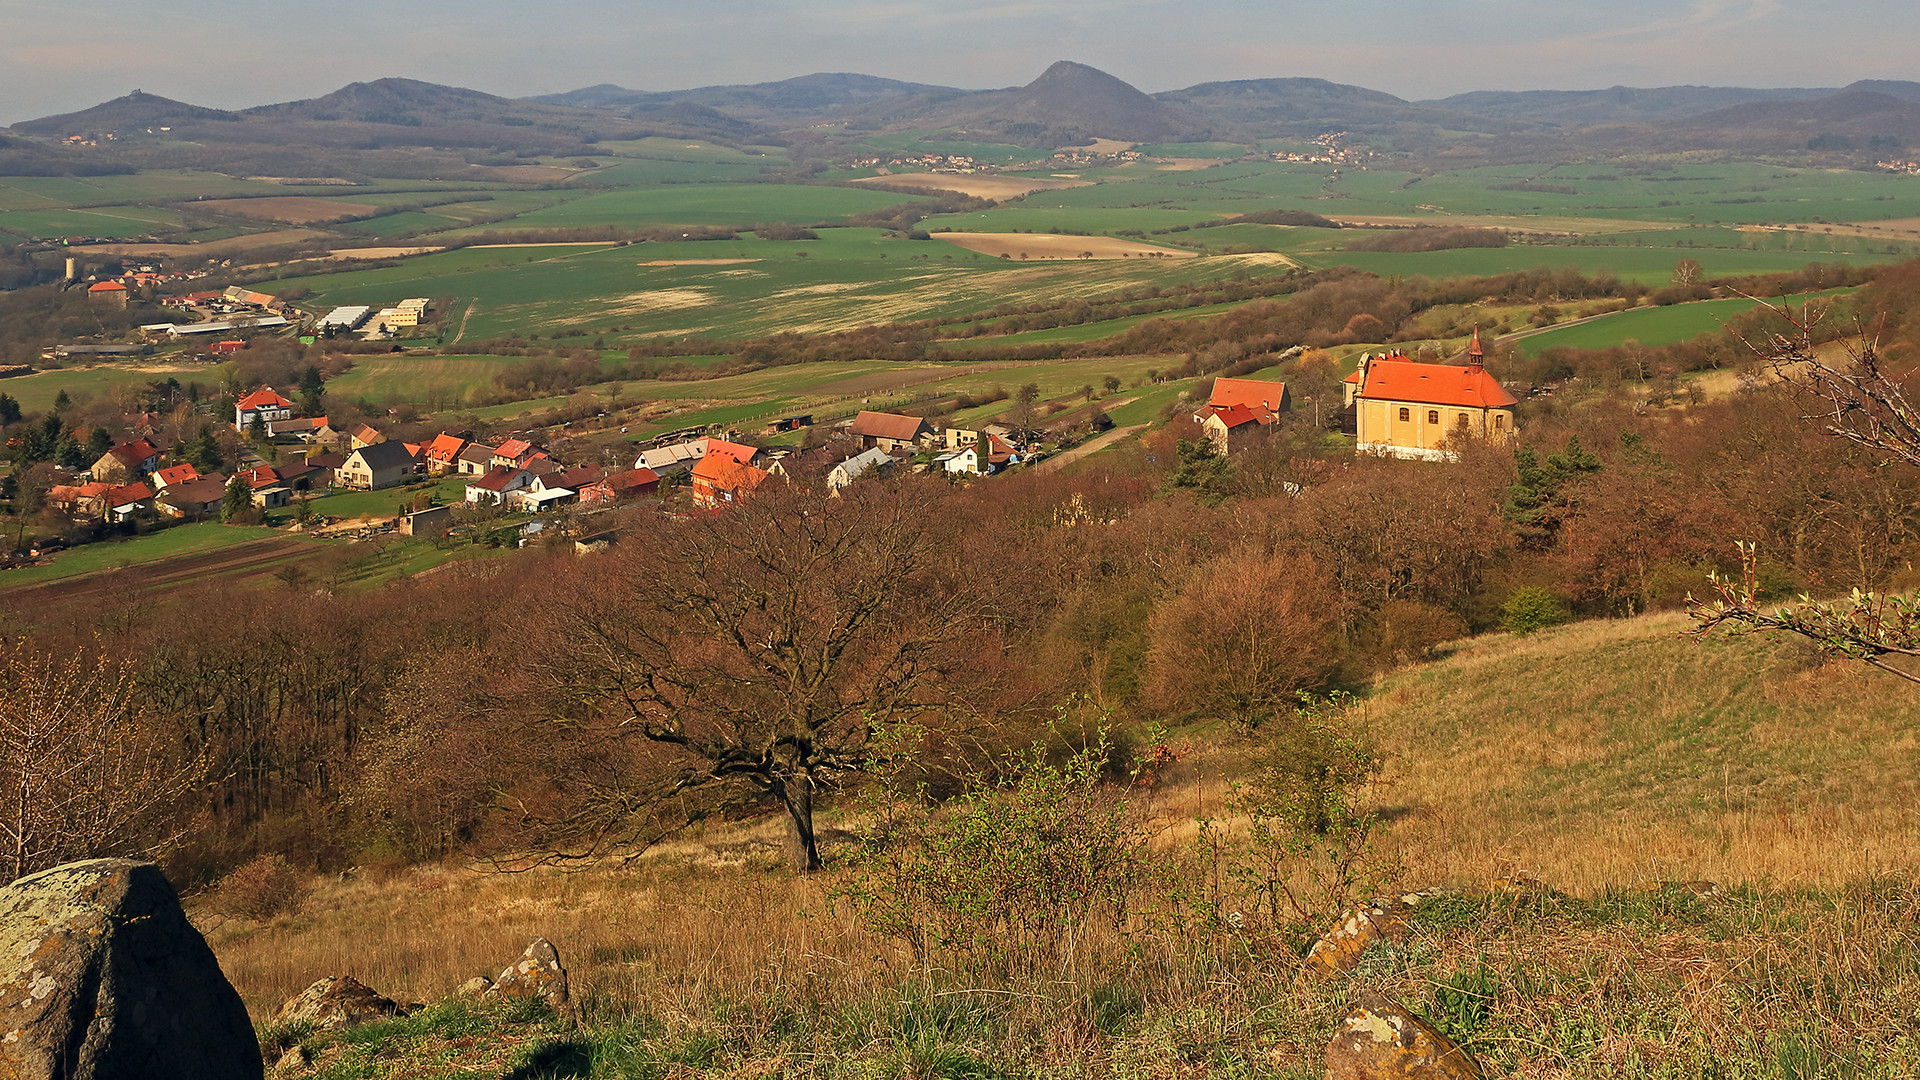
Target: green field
(36, 392)
(1648, 326)
(167, 543)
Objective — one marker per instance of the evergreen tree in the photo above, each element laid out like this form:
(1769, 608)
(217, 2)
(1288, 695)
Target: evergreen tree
(99, 442)
(61, 402)
(239, 498)
(9, 410)
(204, 452)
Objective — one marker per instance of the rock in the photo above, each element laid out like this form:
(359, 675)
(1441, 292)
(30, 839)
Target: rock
(102, 976)
(1338, 951)
(336, 1001)
(538, 974)
(1383, 1041)
(475, 987)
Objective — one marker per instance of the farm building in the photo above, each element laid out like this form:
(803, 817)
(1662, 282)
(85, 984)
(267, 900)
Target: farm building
(429, 522)
(1406, 409)
(349, 317)
(888, 431)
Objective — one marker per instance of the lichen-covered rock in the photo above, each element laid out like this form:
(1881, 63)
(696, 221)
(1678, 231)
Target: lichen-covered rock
(475, 987)
(336, 1001)
(102, 976)
(537, 974)
(1339, 949)
(1380, 1040)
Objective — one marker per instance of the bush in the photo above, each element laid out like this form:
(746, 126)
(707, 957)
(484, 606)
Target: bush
(261, 889)
(1532, 608)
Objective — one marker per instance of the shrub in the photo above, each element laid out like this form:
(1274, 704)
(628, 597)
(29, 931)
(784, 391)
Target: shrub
(261, 889)
(1531, 608)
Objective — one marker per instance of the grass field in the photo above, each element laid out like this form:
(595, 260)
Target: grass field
(1648, 326)
(1777, 787)
(36, 392)
(169, 543)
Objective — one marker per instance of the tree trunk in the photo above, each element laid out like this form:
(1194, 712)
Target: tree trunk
(797, 796)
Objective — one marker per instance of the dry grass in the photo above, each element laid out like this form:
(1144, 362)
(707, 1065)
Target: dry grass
(980, 187)
(1051, 246)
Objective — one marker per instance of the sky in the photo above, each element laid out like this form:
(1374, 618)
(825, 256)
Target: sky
(58, 58)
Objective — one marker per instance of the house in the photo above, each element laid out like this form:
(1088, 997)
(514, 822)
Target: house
(195, 498)
(127, 500)
(497, 484)
(1229, 429)
(443, 454)
(270, 490)
(981, 457)
(672, 460)
(621, 485)
(108, 294)
(376, 466)
(304, 428)
(474, 460)
(127, 462)
(363, 436)
(263, 404)
(1407, 409)
(855, 467)
(88, 499)
(1259, 396)
(174, 475)
(514, 452)
(326, 464)
(889, 431)
(724, 476)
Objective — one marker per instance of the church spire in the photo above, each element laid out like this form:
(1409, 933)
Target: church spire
(1475, 354)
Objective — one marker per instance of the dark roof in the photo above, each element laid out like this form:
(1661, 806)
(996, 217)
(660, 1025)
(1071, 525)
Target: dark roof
(385, 455)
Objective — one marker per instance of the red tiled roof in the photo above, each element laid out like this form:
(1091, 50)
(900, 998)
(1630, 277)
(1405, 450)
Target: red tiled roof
(176, 474)
(739, 452)
(265, 398)
(879, 425)
(727, 472)
(496, 478)
(135, 454)
(264, 476)
(1253, 393)
(1396, 378)
(513, 448)
(131, 493)
(1235, 415)
(108, 286)
(445, 448)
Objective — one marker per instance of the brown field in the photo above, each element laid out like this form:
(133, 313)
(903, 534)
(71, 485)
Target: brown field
(253, 559)
(212, 248)
(1051, 246)
(1188, 164)
(980, 187)
(379, 252)
(1103, 146)
(293, 209)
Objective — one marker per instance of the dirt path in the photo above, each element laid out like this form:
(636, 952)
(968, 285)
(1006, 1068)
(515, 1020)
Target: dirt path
(1091, 446)
(464, 316)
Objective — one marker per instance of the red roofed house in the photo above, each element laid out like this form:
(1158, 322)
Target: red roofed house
(1257, 395)
(888, 431)
(621, 485)
(514, 452)
(1412, 410)
(125, 501)
(126, 463)
(109, 293)
(88, 499)
(497, 484)
(174, 475)
(724, 475)
(443, 453)
(1229, 427)
(263, 403)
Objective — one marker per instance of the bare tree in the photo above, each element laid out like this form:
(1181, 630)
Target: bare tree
(83, 771)
(766, 647)
(1857, 400)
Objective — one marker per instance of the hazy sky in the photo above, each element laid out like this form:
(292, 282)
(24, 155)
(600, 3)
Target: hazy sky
(57, 58)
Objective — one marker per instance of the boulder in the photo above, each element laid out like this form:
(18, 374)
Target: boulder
(334, 1002)
(1338, 950)
(537, 974)
(101, 975)
(475, 987)
(1381, 1040)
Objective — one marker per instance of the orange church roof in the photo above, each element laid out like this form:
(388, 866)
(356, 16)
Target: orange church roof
(1468, 386)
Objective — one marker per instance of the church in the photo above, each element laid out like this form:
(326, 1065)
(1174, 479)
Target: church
(1408, 409)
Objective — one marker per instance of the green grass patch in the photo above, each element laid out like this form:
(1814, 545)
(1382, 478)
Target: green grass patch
(168, 543)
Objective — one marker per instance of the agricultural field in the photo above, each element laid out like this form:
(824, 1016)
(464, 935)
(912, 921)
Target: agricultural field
(37, 391)
(1648, 326)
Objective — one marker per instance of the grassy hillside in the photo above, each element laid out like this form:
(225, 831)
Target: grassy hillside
(1601, 759)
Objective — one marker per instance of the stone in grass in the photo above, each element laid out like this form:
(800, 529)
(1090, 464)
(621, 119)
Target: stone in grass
(102, 976)
(1381, 1040)
(336, 1001)
(1338, 951)
(475, 987)
(537, 974)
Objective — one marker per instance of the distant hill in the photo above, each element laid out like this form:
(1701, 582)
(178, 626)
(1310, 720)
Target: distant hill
(1071, 103)
(134, 112)
(1304, 108)
(805, 100)
(1850, 119)
(1614, 105)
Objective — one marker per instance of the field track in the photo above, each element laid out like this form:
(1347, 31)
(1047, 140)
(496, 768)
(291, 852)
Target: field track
(251, 559)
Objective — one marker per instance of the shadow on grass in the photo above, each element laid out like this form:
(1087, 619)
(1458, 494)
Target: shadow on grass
(564, 1059)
